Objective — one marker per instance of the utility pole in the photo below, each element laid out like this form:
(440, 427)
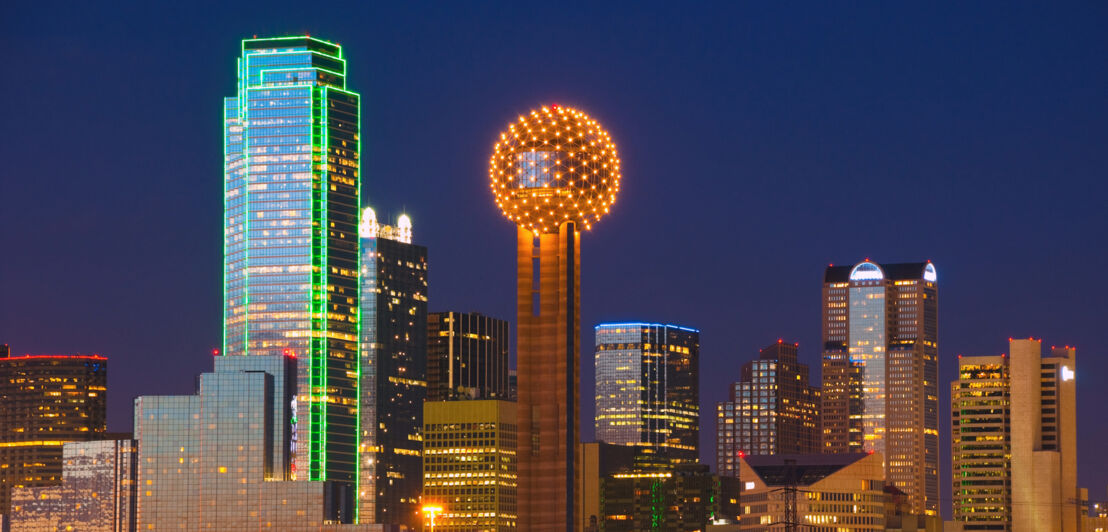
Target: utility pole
(792, 524)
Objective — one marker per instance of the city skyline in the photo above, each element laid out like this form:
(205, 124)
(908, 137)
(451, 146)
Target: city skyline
(973, 306)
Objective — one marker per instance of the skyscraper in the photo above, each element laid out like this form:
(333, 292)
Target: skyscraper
(467, 356)
(880, 367)
(1045, 495)
(647, 389)
(469, 464)
(47, 400)
(394, 361)
(773, 410)
(552, 173)
(291, 197)
(981, 443)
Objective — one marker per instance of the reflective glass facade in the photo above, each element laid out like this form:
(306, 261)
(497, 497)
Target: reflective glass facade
(97, 493)
(867, 352)
(208, 461)
(291, 185)
(47, 400)
(393, 380)
(880, 367)
(647, 388)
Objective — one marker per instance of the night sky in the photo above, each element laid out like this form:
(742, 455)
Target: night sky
(759, 144)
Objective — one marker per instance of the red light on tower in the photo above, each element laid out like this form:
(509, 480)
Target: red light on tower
(215, 352)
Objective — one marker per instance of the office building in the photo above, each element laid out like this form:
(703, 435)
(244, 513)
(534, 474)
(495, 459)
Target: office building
(47, 400)
(97, 493)
(291, 198)
(772, 410)
(647, 389)
(394, 363)
(981, 443)
(880, 371)
(553, 172)
(467, 356)
(599, 460)
(469, 464)
(1014, 441)
(213, 460)
(1045, 495)
(839, 492)
(680, 498)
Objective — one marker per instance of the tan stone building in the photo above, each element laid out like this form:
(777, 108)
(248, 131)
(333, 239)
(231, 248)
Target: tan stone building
(1014, 441)
(840, 492)
(1044, 438)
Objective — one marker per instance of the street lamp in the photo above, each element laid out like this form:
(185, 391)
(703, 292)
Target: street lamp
(430, 512)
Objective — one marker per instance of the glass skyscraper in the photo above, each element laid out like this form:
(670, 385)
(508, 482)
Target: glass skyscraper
(647, 389)
(291, 198)
(394, 363)
(880, 371)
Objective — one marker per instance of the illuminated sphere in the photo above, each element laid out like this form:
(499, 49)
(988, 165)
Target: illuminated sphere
(552, 166)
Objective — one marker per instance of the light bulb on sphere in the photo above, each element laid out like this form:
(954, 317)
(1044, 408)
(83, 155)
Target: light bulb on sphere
(552, 166)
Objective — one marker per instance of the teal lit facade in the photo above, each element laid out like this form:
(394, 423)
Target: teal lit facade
(291, 193)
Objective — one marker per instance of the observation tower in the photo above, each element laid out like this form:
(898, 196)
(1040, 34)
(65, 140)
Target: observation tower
(553, 172)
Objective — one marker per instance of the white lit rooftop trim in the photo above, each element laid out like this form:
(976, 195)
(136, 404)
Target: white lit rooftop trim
(929, 273)
(866, 271)
(370, 228)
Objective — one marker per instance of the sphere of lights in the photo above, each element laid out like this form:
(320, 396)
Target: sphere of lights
(552, 166)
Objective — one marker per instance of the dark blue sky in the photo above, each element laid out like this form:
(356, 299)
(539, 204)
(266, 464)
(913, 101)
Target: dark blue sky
(759, 143)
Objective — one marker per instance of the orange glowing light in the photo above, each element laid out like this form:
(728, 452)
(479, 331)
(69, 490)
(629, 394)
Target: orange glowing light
(536, 169)
(430, 511)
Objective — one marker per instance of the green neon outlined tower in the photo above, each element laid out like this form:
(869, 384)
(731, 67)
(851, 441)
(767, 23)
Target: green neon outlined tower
(291, 201)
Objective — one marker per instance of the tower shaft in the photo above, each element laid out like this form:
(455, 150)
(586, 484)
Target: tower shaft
(548, 359)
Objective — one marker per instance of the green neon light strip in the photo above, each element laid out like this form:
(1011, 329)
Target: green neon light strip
(358, 314)
(226, 178)
(325, 260)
